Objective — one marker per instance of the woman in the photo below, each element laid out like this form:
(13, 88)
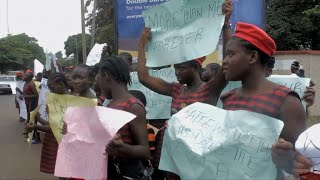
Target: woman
(82, 81)
(57, 83)
(130, 145)
(30, 94)
(210, 71)
(248, 52)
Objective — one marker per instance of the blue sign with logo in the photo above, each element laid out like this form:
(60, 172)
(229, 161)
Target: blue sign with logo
(130, 22)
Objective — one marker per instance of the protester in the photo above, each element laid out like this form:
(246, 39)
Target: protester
(295, 66)
(210, 71)
(68, 74)
(37, 81)
(190, 88)
(248, 52)
(82, 81)
(57, 83)
(30, 93)
(19, 91)
(130, 146)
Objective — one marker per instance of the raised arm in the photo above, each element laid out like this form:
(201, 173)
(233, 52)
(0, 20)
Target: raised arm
(218, 83)
(155, 84)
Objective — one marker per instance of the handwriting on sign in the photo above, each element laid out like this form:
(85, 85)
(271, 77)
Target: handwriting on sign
(179, 26)
(209, 139)
(308, 145)
(158, 106)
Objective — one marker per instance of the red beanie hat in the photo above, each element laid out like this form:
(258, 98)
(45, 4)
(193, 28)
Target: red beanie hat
(256, 36)
(200, 60)
(19, 73)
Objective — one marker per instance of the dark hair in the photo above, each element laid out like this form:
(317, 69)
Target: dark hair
(96, 68)
(90, 69)
(264, 58)
(126, 56)
(139, 95)
(39, 74)
(270, 63)
(57, 77)
(117, 68)
(214, 66)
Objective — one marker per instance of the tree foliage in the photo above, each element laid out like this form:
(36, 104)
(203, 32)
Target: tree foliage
(73, 45)
(18, 52)
(104, 22)
(294, 24)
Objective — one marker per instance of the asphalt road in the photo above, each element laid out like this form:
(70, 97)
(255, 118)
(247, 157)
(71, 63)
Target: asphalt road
(17, 159)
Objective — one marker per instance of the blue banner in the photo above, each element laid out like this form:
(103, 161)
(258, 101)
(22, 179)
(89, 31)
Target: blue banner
(130, 21)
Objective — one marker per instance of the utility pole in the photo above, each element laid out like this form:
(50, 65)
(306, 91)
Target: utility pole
(93, 26)
(8, 30)
(84, 47)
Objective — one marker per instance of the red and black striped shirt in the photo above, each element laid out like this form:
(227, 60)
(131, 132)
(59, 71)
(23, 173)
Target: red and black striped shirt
(181, 99)
(268, 103)
(125, 131)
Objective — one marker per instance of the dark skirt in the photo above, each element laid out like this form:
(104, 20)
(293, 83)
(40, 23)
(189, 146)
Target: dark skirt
(49, 153)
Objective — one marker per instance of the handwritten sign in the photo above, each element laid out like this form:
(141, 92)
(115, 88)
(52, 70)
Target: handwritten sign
(158, 106)
(308, 144)
(38, 67)
(183, 30)
(81, 151)
(206, 142)
(296, 84)
(95, 54)
(58, 105)
(42, 101)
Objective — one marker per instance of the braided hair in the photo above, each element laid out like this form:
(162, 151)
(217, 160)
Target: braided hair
(57, 78)
(117, 68)
(91, 71)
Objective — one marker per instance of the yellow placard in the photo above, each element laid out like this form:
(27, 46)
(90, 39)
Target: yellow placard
(57, 106)
(32, 120)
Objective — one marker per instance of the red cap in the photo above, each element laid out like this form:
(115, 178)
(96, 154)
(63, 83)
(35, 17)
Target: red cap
(29, 71)
(19, 73)
(200, 60)
(256, 36)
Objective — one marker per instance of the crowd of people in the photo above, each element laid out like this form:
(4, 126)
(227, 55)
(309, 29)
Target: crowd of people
(137, 146)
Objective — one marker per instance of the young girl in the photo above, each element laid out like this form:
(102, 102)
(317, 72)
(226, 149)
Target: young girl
(247, 53)
(190, 88)
(57, 83)
(82, 80)
(130, 146)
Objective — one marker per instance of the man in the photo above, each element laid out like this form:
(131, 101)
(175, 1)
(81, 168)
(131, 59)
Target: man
(295, 66)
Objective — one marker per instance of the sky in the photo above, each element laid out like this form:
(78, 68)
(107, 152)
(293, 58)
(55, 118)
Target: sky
(49, 21)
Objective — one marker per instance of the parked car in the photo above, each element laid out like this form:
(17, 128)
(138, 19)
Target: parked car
(7, 84)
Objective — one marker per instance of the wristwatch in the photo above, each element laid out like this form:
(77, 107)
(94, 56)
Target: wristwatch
(226, 26)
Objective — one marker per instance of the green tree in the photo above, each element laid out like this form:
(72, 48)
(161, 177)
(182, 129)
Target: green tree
(18, 52)
(104, 22)
(58, 55)
(294, 23)
(73, 45)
